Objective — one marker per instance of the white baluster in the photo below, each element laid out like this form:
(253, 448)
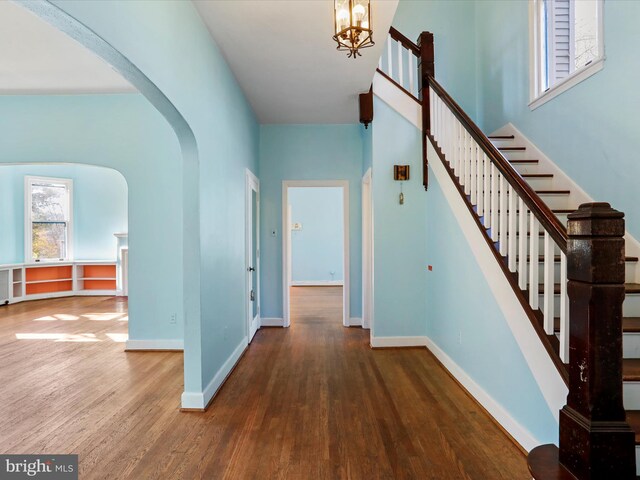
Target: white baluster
(467, 163)
(534, 233)
(549, 294)
(487, 190)
(481, 180)
(513, 228)
(400, 69)
(390, 56)
(432, 109)
(412, 67)
(473, 158)
(522, 245)
(564, 310)
(503, 216)
(494, 203)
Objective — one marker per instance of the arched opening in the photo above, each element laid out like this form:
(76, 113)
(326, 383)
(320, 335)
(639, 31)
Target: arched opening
(157, 155)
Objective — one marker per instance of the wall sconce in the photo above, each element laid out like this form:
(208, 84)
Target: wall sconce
(401, 174)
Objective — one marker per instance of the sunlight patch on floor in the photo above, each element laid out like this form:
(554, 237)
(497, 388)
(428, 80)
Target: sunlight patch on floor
(59, 337)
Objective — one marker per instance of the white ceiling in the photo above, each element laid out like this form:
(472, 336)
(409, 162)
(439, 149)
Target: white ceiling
(36, 58)
(286, 62)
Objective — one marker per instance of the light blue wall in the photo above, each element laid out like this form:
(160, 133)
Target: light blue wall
(306, 152)
(453, 304)
(367, 148)
(591, 130)
(399, 235)
(184, 74)
(452, 23)
(465, 321)
(316, 249)
(126, 133)
(99, 209)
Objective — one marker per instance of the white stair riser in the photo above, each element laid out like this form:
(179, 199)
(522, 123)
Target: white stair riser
(631, 345)
(631, 395)
(557, 201)
(631, 306)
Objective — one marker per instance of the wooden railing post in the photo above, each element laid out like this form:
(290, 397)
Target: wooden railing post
(426, 68)
(595, 440)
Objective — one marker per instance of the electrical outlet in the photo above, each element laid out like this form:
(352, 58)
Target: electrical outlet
(173, 319)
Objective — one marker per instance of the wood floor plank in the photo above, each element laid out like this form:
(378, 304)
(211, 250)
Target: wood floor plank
(309, 402)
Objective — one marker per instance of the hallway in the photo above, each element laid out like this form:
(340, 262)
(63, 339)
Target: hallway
(309, 402)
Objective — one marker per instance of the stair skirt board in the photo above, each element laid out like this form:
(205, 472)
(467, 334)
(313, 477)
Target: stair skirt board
(544, 371)
(199, 401)
(517, 432)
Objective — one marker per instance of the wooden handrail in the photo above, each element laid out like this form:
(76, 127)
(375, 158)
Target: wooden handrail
(408, 44)
(540, 209)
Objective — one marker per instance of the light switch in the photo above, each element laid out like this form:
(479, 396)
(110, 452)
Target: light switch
(296, 226)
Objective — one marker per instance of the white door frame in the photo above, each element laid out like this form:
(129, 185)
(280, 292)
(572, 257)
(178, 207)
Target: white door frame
(286, 243)
(252, 184)
(367, 251)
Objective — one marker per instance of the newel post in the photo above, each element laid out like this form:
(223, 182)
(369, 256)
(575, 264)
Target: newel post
(426, 68)
(595, 440)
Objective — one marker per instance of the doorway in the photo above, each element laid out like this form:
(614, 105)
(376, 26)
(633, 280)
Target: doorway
(252, 256)
(315, 219)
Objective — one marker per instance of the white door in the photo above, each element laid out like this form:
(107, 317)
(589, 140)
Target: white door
(252, 239)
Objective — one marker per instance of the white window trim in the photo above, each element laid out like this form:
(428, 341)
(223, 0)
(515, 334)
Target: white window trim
(28, 247)
(535, 53)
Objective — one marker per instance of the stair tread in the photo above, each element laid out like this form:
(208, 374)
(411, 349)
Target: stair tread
(524, 161)
(553, 192)
(628, 288)
(501, 137)
(512, 149)
(629, 324)
(537, 175)
(633, 419)
(631, 369)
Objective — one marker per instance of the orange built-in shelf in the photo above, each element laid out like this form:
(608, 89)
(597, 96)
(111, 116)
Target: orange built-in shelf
(48, 279)
(99, 271)
(99, 277)
(36, 274)
(99, 284)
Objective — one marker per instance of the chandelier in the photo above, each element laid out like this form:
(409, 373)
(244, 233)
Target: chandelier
(352, 20)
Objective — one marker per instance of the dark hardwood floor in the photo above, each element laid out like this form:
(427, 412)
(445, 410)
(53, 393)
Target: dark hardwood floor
(309, 402)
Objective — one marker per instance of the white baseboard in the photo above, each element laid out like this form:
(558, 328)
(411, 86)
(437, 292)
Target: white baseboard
(317, 283)
(200, 400)
(272, 322)
(355, 322)
(386, 342)
(160, 344)
(497, 411)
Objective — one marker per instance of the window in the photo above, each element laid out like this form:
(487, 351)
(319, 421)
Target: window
(48, 226)
(568, 47)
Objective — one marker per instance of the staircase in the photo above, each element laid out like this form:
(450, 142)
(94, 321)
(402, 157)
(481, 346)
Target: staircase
(562, 201)
(522, 204)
